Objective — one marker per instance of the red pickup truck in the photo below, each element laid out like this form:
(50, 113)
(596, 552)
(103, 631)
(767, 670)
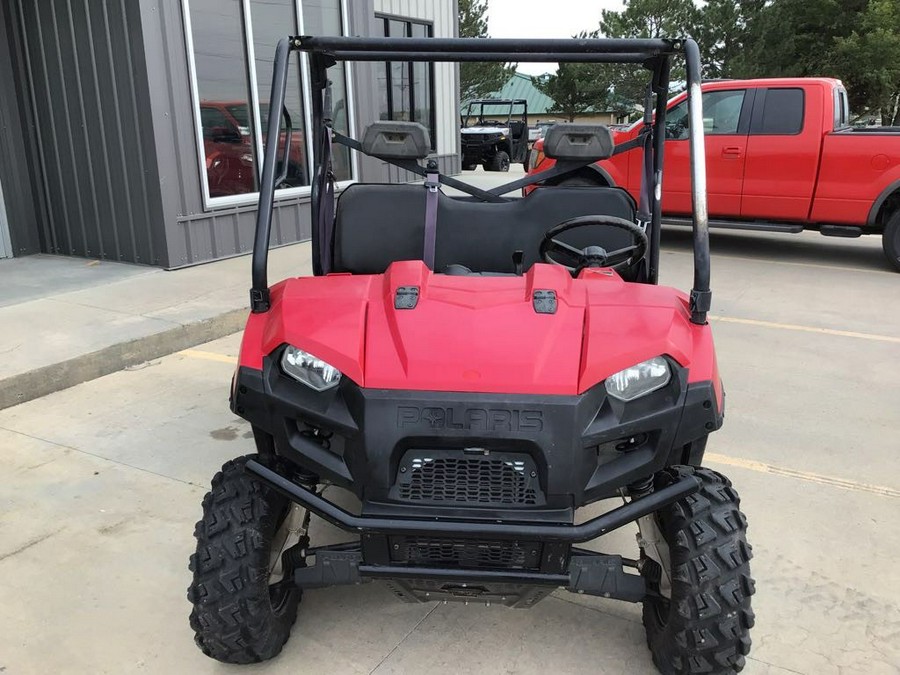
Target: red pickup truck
(781, 157)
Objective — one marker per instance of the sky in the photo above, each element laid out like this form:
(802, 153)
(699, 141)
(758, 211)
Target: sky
(544, 18)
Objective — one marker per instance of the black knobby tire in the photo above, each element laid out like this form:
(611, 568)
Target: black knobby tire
(499, 162)
(890, 240)
(469, 167)
(705, 626)
(237, 617)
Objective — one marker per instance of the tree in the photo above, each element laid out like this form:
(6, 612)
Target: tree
(855, 40)
(726, 30)
(477, 80)
(575, 88)
(869, 60)
(646, 19)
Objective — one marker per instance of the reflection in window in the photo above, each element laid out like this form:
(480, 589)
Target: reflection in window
(234, 132)
(222, 82)
(272, 20)
(406, 90)
(323, 17)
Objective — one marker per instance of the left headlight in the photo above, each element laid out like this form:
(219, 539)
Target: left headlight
(308, 369)
(639, 380)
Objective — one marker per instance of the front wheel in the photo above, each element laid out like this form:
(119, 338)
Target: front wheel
(697, 614)
(499, 162)
(890, 240)
(243, 593)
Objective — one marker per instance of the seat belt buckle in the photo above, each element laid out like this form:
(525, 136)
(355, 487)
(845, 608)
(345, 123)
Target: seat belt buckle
(432, 182)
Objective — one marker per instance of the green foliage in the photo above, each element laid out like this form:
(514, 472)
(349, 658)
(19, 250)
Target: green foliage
(857, 41)
(477, 80)
(576, 87)
(869, 60)
(645, 19)
(725, 32)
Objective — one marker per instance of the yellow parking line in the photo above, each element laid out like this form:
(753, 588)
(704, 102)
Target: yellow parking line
(208, 356)
(808, 329)
(820, 479)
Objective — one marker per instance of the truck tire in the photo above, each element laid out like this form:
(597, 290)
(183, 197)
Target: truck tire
(890, 240)
(237, 616)
(704, 626)
(499, 162)
(469, 167)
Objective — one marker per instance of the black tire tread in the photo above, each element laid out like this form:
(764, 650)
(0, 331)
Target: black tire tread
(496, 162)
(890, 240)
(232, 617)
(708, 627)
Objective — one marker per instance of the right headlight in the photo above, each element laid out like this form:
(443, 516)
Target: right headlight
(308, 369)
(639, 380)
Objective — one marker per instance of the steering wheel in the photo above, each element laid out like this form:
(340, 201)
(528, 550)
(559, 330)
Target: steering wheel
(593, 256)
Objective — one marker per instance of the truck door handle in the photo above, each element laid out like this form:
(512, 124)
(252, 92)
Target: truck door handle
(732, 152)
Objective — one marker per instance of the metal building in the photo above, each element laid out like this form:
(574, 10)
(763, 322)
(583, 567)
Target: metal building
(132, 130)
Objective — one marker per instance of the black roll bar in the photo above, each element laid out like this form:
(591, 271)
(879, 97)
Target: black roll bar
(259, 292)
(324, 52)
(701, 295)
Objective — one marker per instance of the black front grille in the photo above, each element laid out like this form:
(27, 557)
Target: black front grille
(453, 476)
(426, 551)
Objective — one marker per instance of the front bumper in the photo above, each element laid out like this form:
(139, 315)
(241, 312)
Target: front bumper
(476, 456)
(506, 473)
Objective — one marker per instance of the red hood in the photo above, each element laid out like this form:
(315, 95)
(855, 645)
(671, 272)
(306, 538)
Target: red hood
(478, 334)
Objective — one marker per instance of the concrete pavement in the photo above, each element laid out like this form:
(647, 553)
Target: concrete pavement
(69, 320)
(104, 481)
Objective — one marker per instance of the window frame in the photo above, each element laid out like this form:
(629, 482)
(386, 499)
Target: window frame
(248, 198)
(384, 18)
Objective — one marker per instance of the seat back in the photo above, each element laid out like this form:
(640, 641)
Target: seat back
(376, 225)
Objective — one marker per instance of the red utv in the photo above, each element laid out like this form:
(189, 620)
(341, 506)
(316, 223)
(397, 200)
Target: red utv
(475, 370)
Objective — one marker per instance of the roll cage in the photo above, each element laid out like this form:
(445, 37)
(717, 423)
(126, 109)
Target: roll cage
(324, 52)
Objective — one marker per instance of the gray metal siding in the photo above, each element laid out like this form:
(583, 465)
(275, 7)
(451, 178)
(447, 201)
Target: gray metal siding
(363, 22)
(85, 73)
(194, 234)
(22, 209)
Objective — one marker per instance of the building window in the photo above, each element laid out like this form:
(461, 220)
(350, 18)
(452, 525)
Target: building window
(406, 90)
(232, 44)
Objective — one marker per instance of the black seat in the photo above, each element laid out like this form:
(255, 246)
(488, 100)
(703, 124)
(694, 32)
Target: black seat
(376, 225)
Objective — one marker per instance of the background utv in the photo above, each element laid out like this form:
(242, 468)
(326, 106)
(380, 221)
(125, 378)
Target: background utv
(494, 134)
(475, 370)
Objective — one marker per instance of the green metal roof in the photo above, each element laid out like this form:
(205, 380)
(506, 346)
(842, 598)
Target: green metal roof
(519, 86)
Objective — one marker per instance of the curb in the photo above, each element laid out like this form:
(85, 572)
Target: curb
(58, 376)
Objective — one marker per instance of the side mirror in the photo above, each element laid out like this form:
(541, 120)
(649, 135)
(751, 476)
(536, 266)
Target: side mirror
(225, 135)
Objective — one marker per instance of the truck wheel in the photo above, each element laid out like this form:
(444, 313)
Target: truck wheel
(499, 162)
(469, 167)
(698, 615)
(890, 240)
(241, 612)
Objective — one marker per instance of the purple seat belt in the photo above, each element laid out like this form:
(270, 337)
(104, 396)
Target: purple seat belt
(432, 183)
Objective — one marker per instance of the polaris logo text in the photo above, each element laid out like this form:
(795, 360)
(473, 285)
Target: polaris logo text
(470, 419)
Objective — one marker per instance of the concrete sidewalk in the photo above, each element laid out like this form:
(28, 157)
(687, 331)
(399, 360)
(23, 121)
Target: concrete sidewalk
(69, 320)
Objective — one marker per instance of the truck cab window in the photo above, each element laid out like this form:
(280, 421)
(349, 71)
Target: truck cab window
(721, 115)
(781, 113)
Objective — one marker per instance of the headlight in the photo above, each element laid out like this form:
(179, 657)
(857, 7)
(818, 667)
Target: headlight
(308, 369)
(639, 380)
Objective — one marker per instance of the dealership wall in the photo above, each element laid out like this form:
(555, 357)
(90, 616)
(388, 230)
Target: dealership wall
(195, 233)
(97, 123)
(90, 167)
